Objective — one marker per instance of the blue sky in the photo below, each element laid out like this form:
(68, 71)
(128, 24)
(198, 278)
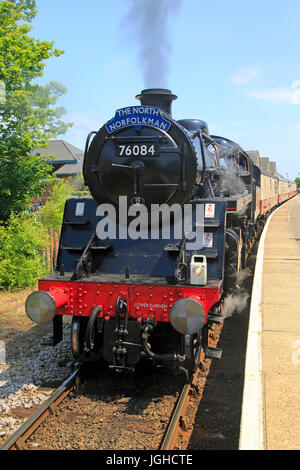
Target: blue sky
(234, 64)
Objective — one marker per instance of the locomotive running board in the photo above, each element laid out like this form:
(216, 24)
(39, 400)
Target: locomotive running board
(214, 353)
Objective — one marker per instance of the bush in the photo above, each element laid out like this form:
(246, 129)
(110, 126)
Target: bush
(77, 183)
(51, 214)
(24, 236)
(21, 243)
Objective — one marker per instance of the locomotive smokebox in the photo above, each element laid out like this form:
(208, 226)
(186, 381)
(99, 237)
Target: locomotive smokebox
(158, 97)
(143, 155)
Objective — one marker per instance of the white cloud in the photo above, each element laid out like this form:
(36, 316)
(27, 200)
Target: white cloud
(245, 75)
(279, 94)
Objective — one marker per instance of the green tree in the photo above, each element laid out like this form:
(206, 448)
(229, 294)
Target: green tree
(28, 116)
(21, 245)
(80, 189)
(51, 214)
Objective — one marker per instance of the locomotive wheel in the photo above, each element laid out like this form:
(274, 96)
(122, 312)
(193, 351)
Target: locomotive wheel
(77, 337)
(192, 350)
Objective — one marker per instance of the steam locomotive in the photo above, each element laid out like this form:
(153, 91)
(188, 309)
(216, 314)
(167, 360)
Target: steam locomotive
(143, 266)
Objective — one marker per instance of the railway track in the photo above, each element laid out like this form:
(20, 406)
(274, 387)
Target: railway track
(175, 421)
(18, 439)
(156, 412)
(176, 425)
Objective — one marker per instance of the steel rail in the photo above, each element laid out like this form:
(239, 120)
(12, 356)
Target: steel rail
(173, 428)
(177, 423)
(18, 439)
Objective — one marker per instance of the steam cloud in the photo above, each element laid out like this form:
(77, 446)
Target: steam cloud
(237, 302)
(147, 23)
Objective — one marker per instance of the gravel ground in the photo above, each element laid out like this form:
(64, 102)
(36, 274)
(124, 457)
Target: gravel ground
(113, 411)
(217, 416)
(29, 375)
(124, 412)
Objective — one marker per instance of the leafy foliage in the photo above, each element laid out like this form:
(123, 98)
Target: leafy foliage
(51, 213)
(25, 235)
(28, 119)
(80, 189)
(28, 116)
(21, 244)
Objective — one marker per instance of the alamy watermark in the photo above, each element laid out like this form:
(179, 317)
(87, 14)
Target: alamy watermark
(160, 222)
(296, 353)
(2, 92)
(2, 353)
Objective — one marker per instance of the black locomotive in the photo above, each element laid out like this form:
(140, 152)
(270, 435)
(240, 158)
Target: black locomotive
(141, 281)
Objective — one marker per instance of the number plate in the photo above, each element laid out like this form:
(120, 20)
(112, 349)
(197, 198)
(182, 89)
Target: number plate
(137, 150)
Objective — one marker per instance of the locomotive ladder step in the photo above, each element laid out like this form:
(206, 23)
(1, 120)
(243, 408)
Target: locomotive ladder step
(73, 248)
(92, 248)
(172, 248)
(209, 252)
(78, 222)
(208, 223)
(214, 353)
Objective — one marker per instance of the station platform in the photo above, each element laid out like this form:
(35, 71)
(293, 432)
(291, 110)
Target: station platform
(271, 403)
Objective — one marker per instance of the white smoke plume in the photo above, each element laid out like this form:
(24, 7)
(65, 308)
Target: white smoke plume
(231, 181)
(237, 302)
(234, 303)
(243, 275)
(147, 23)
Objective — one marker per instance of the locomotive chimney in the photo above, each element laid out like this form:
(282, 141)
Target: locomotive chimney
(159, 97)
